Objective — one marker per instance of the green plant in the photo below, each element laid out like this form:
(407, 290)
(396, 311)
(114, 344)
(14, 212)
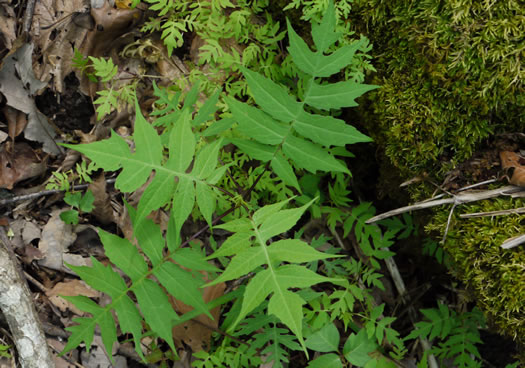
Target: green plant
(102, 70)
(80, 203)
(63, 180)
(277, 310)
(4, 351)
(457, 334)
(275, 144)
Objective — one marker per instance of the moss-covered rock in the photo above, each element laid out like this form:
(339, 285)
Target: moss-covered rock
(495, 276)
(452, 75)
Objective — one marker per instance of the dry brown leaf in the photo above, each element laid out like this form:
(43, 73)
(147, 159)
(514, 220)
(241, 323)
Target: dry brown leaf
(18, 84)
(511, 161)
(16, 121)
(56, 44)
(70, 288)
(7, 25)
(196, 334)
(19, 165)
(103, 211)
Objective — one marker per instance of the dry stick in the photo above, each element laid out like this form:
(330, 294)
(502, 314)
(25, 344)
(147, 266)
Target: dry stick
(401, 289)
(20, 313)
(28, 16)
(457, 199)
(25, 197)
(511, 211)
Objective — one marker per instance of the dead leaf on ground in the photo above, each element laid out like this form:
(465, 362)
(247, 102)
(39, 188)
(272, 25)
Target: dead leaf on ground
(70, 288)
(7, 24)
(103, 211)
(18, 84)
(16, 121)
(195, 334)
(56, 44)
(57, 236)
(19, 165)
(513, 162)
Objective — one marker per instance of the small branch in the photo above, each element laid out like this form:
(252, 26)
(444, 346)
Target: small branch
(28, 16)
(25, 197)
(511, 211)
(513, 242)
(401, 289)
(20, 313)
(456, 200)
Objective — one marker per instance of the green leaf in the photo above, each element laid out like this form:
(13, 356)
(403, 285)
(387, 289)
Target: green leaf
(325, 340)
(182, 144)
(357, 347)
(281, 222)
(206, 160)
(295, 250)
(157, 194)
(156, 308)
(149, 238)
(256, 124)
(336, 95)
(272, 98)
(124, 255)
(295, 276)
(109, 154)
(70, 217)
(205, 200)
(288, 307)
(86, 202)
(193, 260)
(326, 361)
(263, 213)
(182, 285)
(328, 130)
(238, 225)
(207, 110)
(243, 263)
(259, 287)
(218, 127)
(310, 156)
(73, 199)
(233, 245)
(284, 171)
(323, 34)
(183, 202)
(255, 150)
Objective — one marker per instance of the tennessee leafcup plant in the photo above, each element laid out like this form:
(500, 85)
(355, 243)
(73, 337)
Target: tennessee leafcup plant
(285, 134)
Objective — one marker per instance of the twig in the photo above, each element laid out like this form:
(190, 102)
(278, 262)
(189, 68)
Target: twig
(456, 200)
(511, 211)
(448, 222)
(513, 242)
(28, 16)
(20, 313)
(25, 197)
(401, 289)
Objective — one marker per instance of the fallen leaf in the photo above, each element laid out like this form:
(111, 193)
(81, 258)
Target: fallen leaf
(7, 24)
(103, 211)
(56, 44)
(70, 288)
(18, 84)
(196, 334)
(30, 232)
(56, 238)
(513, 162)
(19, 165)
(16, 121)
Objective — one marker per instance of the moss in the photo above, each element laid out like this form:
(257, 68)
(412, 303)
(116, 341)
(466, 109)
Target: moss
(494, 275)
(451, 74)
